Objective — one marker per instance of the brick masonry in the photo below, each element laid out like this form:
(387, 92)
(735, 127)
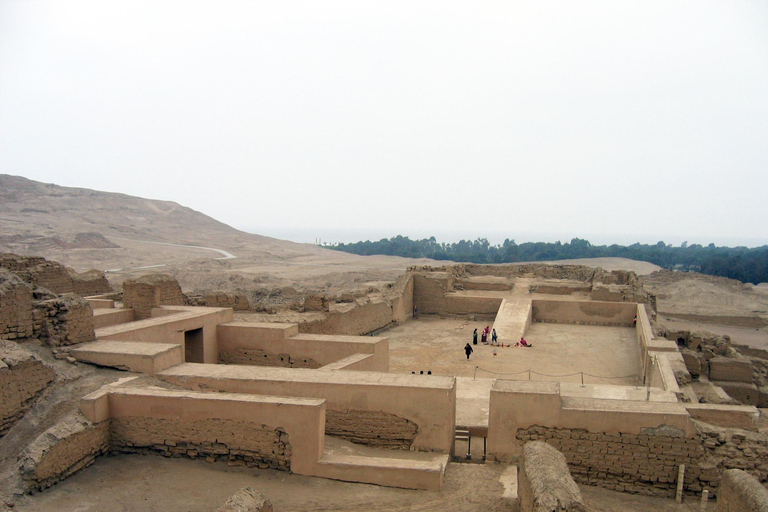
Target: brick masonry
(236, 301)
(237, 442)
(65, 320)
(15, 307)
(22, 379)
(374, 428)
(151, 291)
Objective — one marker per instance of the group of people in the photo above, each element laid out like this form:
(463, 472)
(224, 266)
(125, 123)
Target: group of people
(484, 336)
(468, 350)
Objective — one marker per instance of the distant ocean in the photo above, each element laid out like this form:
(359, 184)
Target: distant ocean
(335, 235)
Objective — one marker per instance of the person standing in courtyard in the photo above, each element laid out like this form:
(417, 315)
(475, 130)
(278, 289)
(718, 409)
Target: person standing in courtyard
(484, 338)
(474, 338)
(468, 348)
(494, 338)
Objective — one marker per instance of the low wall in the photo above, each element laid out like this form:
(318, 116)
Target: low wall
(741, 492)
(352, 318)
(67, 447)
(625, 446)
(584, 313)
(402, 298)
(544, 482)
(148, 292)
(169, 324)
(427, 402)
(22, 378)
(275, 432)
(263, 345)
(65, 320)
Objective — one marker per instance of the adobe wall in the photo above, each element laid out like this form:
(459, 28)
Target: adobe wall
(67, 447)
(65, 320)
(545, 483)
(431, 297)
(168, 326)
(151, 291)
(276, 345)
(626, 446)
(741, 492)
(402, 298)
(265, 431)
(23, 378)
(39, 272)
(365, 315)
(428, 402)
(15, 307)
(584, 313)
(89, 283)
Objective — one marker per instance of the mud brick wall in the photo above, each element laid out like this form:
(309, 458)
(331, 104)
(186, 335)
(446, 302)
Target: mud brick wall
(731, 448)
(236, 301)
(643, 464)
(90, 283)
(22, 379)
(237, 442)
(257, 357)
(374, 428)
(66, 320)
(151, 291)
(15, 307)
(39, 272)
(352, 318)
(67, 447)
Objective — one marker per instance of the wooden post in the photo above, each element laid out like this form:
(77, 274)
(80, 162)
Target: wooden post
(680, 478)
(704, 498)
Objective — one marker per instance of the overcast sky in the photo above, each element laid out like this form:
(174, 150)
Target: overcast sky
(609, 120)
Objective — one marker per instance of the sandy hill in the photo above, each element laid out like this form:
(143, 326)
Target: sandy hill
(128, 235)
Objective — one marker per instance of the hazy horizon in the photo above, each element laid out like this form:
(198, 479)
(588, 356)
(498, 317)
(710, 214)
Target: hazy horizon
(340, 235)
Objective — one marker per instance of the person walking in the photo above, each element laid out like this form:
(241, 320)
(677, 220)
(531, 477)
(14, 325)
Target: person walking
(468, 348)
(494, 338)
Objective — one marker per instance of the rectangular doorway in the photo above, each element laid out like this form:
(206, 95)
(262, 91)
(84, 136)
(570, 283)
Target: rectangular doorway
(194, 351)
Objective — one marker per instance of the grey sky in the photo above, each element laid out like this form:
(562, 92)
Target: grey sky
(611, 120)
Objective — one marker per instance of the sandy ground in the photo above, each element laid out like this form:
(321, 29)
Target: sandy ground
(133, 483)
(606, 355)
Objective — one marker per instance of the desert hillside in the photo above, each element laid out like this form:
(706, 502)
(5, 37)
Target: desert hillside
(127, 236)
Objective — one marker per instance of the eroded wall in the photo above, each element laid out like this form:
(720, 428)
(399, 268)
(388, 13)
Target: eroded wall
(23, 378)
(584, 313)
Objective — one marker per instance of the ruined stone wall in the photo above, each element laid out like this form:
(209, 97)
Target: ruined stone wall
(66, 320)
(643, 464)
(237, 442)
(93, 282)
(39, 272)
(544, 482)
(258, 357)
(430, 297)
(374, 428)
(236, 301)
(402, 298)
(729, 448)
(22, 379)
(15, 307)
(577, 272)
(740, 492)
(67, 447)
(151, 291)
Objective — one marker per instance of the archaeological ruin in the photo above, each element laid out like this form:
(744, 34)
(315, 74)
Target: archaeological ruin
(605, 397)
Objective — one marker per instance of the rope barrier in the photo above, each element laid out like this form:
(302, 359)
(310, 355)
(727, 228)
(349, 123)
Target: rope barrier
(533, 372)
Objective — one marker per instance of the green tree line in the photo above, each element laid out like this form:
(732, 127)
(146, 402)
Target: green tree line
(749, 265)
